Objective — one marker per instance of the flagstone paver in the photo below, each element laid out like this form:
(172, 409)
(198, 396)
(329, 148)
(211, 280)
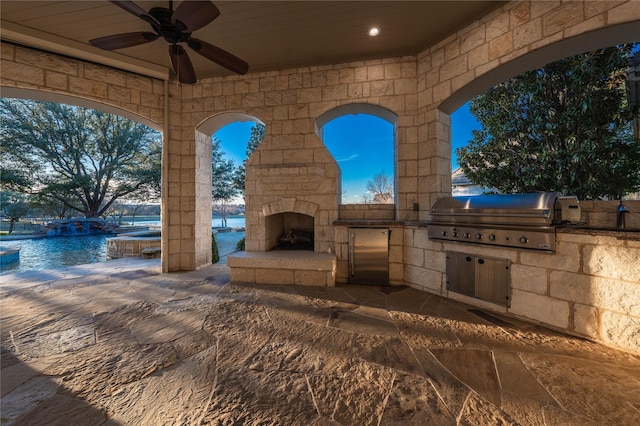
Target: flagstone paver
(118, 343)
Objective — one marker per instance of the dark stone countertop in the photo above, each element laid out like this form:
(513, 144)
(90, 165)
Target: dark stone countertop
(623, 234)
(368, 223)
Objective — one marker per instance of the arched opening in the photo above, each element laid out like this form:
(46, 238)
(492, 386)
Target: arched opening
(600, 323)
(362, 140)
(233, 137)
(562, 127)
(83, 169)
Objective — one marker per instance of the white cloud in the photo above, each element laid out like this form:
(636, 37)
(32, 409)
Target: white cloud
(349, 158)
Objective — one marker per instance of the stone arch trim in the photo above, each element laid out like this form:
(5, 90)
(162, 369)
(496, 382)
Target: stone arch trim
(601, 38)
(355, 108)
(521, 36)
(39, 95)
(55, 77)
(290, 205)
(214, 123)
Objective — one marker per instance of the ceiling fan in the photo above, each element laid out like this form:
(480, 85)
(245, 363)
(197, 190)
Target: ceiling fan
(176, 28)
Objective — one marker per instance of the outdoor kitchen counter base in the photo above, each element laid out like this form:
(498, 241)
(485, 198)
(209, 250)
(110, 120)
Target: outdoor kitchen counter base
(295, 267)
(590, 287)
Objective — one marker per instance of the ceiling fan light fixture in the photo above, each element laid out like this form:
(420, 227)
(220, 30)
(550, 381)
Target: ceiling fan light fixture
(374, 31)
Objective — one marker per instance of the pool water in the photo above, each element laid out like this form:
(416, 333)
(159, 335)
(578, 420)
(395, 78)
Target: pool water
(56, 252)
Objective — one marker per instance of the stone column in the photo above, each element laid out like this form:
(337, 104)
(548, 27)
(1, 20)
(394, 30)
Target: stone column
(186, 244)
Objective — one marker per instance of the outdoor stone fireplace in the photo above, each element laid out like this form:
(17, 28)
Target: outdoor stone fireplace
(291, 195)
(289, 231)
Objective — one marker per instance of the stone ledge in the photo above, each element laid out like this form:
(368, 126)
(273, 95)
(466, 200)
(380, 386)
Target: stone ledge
(281, 259)
(151, 252)
(294, 267)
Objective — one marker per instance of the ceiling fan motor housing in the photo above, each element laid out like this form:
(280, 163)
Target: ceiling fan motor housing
(172, 33)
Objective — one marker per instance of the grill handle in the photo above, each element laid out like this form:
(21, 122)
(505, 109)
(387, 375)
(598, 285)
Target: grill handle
(545, 213)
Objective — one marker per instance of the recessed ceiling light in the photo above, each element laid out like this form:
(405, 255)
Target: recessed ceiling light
(374, 31)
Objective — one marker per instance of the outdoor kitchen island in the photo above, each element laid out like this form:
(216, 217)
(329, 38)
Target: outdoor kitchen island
(588, 287)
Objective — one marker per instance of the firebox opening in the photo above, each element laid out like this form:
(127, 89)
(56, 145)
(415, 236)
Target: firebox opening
(290, 231)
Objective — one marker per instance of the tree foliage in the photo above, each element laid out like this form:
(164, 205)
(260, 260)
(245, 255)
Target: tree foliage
(48, 207)
(564, 127)
(222, 174)
(83, 158)
(14, 206)
(257, 134)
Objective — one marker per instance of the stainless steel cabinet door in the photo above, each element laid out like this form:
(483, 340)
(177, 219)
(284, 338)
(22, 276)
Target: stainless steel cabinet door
(460, 273)
(479, 276)
(369, 256)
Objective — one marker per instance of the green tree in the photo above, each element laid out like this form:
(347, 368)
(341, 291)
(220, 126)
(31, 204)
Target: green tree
(564, 127)
(11, 178)
(85, 159)
(240, 175)
(13, 206)
(223, 189)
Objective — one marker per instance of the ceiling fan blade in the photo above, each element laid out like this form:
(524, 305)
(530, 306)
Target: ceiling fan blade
(119, 41)
(219, 56)
(182, 64)
(195, 14)
(131, 7)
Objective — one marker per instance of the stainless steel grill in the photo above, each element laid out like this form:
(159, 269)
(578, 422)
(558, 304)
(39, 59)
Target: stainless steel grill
(514, 220)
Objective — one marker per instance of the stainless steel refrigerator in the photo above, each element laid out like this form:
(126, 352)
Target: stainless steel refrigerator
(369, 256)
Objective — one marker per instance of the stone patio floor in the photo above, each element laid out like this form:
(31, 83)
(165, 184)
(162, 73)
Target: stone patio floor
(118, 343)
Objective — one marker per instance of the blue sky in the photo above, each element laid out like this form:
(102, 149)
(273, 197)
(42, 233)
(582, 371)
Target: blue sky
(363, 147)
(462, 123)
(233, 139)
(361, 144)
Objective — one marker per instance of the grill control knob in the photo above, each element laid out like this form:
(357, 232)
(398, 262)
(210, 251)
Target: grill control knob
(524, 240)
(492, 237)
(467, 235)
(478, 236)
(455, 234)
(443, 233)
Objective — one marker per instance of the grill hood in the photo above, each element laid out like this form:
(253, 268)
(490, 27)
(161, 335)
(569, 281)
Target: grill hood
(535, 209)
(513, 220)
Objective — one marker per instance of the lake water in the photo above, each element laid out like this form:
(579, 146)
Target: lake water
(56, 252)
(233, 222)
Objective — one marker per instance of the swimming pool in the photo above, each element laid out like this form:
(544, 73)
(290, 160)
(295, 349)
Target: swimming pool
(56, 252)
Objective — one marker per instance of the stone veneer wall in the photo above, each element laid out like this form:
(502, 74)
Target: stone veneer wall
(292, 164)
(604, 214)
(32, 69)
(367, 212)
